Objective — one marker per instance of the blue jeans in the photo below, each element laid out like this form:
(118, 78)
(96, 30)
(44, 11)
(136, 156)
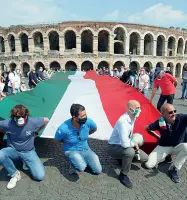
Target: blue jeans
(184, 90)
(151, 84)
(8, 155)
(81, 159)
(10, 90)
(145, 92)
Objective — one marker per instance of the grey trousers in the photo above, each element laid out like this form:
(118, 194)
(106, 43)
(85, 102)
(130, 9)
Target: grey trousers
(126, 154)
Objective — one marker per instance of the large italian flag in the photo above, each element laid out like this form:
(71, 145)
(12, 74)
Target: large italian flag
(104, 97)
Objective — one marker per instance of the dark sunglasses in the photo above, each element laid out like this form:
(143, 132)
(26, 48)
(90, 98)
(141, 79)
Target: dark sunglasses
(17, 117)
(172, 112)
(78, 134)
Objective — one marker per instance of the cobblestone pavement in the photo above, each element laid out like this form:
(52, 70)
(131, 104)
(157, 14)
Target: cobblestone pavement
(59, 185)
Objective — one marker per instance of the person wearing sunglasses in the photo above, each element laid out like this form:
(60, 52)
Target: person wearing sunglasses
(121, 145)
(74, 134)
(172, 140)
(21, 130)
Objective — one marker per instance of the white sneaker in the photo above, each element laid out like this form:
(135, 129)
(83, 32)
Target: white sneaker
(72, 170)
(13, 180)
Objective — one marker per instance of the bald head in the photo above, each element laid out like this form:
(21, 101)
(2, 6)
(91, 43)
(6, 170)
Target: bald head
(167, 107)
(169, 113)
(133, 104)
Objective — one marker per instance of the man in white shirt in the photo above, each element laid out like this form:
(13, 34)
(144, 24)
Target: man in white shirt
(14, 82)
(121, 144)
(143, 81)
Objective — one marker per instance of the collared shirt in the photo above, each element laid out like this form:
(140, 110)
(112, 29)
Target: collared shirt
(174, 134)
(123, 131)
(75, 139)
(166, 84)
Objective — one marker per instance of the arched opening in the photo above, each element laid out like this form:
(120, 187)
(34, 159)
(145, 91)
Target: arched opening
(160, 46)
(180, 46)
(134, 44)
(171, 66)
(118, 65)
(160, 65)
(171, 46)
(134, 66)
(86, 66)
(38, 65)
(70, 40)
(2, 45)
(12, 66)
(103, 41)
(12, 45)
(119, 41)
(3, 67)
(178, 70)
(103, 64)
(26, 69)
(87, 41)
(55, 66)
(24, 43)
(185, 48)
(54, 41)
(148, 66)
(38, 41)
(148, 44)
(118, 48)
(71, 66)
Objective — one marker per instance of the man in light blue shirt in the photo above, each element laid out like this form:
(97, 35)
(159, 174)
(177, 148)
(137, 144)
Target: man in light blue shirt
(74, 134)
(121, 145)
(184, 88)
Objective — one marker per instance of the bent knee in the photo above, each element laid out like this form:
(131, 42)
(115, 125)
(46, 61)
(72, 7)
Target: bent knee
(130, 152)
(39, 177)
(184, 146)
(150, 165)
(2, 156)
(80, 168)
(98, 170)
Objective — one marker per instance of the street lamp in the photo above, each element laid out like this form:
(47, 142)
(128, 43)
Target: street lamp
(130, 57)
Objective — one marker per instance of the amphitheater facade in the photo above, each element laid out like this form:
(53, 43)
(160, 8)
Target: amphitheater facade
(90, 45)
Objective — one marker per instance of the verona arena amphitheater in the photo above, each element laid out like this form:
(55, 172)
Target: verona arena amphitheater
(89, 45)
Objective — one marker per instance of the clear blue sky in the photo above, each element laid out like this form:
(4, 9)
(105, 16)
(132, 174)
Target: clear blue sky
(161, 13)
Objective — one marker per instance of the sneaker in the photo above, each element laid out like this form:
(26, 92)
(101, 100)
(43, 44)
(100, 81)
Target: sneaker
(181, 98)
(174, 175)
(72, 170)
(13, 180)
(168, 159)
(124, 179)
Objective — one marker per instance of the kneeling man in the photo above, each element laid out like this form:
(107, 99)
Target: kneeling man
(121, 144)
(21, 130)
(74, 134)
(173, 131)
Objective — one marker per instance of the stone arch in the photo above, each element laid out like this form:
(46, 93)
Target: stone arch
(38, 41)
(178, 70)
(119, 40)
(160, 65)
(25, 69)
(38, 65)
(180, 46)
(53, 40)
(87, 29)
(118, 65)
(87, 41)
(185, 48)
(71, 66)
(2, 67)
(148, 66)
(171, 65)
(2, 45)
(171, 46)
(70, 39)
(55, 66)
(12, 66)
(24, 42)
(134, 43)
(103, 41)
(148, 44)
(160, 49)
(86, 66)
(103, 64)
(12, 43)
(69, 29)
(134, 66)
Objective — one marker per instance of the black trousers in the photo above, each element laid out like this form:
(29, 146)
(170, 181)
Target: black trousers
(163, 98)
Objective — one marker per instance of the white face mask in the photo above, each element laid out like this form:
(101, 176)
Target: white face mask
(20, 121)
